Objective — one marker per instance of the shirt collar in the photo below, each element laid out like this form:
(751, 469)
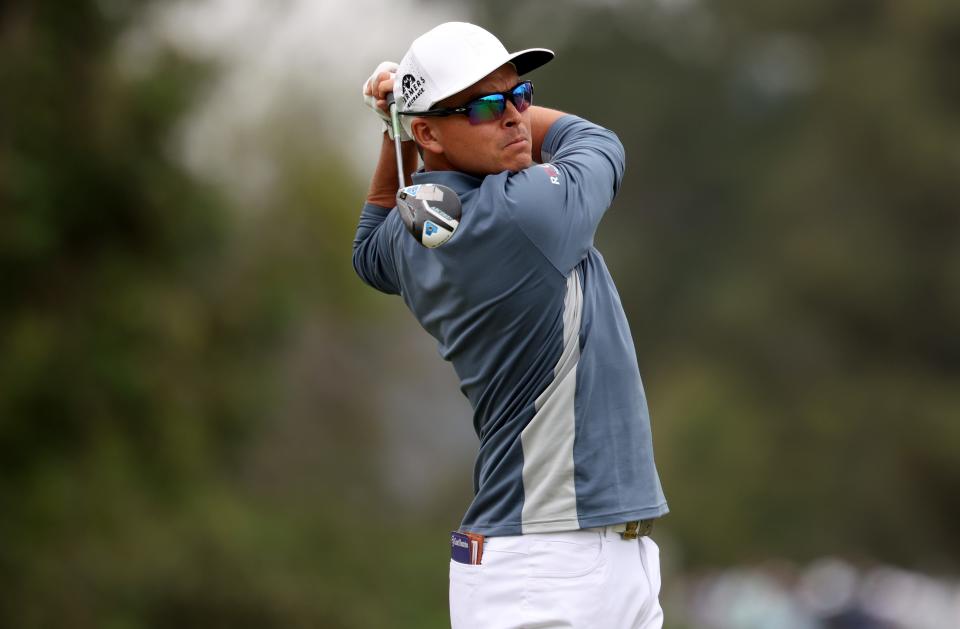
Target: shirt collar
(457, 181)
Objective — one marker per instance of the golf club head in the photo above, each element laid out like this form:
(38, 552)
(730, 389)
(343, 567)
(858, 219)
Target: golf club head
(430, 211)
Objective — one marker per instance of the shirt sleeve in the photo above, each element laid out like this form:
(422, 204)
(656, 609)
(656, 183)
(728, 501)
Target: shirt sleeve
(559, 204)
(372, 251)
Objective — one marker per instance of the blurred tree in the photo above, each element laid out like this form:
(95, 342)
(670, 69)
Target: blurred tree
(145, 333)
(130, 370)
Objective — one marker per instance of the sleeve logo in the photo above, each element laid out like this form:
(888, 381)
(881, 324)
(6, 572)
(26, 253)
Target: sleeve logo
(552, 172)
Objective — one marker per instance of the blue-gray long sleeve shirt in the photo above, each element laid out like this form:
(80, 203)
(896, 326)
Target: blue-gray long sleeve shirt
(521, 303)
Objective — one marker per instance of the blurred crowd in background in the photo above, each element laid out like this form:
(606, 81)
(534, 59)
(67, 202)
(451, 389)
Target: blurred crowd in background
(828, 593)
(206, 420)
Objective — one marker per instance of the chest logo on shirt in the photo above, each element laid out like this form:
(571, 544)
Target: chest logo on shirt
(552, 172)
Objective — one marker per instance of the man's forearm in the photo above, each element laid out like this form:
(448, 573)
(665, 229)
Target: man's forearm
(540, 120)
(384, 185)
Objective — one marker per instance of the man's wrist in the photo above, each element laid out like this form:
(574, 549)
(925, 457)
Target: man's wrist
(541, 119)
(384, 201)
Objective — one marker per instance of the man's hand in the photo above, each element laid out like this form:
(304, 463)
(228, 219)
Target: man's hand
(383, 186)
(375, 90)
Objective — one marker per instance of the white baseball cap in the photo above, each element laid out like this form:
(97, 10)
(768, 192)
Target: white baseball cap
(452, 57)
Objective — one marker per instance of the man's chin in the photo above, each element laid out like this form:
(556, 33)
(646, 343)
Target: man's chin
(520, 164)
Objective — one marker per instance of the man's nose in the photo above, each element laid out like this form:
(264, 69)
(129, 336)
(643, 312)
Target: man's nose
(511, 116)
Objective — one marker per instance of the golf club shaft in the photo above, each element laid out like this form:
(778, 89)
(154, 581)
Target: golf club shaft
(395, 121)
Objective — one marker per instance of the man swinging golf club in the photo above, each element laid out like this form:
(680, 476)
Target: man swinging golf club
(522, 304)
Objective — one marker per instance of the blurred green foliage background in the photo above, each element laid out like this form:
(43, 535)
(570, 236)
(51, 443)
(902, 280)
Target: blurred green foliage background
(190, 431)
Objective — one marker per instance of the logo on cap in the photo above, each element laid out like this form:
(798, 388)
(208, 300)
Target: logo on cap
(411, 88)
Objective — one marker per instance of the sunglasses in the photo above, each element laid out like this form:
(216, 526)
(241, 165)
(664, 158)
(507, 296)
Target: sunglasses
(487, 107)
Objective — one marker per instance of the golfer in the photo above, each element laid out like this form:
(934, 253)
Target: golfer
(522, 304)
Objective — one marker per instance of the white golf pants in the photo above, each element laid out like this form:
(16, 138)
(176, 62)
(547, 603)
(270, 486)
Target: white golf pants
(587, 579)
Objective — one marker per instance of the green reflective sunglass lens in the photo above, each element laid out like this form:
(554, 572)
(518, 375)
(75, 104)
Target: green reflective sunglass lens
(486, 109)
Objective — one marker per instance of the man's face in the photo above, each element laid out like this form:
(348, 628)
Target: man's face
(489, 147)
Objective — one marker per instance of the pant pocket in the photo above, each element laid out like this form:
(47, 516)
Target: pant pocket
(463, 583)
(565, 558)
(651, 563)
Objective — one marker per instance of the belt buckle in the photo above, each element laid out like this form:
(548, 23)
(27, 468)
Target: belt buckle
(636, 529)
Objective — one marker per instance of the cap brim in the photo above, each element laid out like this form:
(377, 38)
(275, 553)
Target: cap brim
(530, 59)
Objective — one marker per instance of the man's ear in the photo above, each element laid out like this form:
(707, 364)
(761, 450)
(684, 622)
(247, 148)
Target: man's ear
(426, 135)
